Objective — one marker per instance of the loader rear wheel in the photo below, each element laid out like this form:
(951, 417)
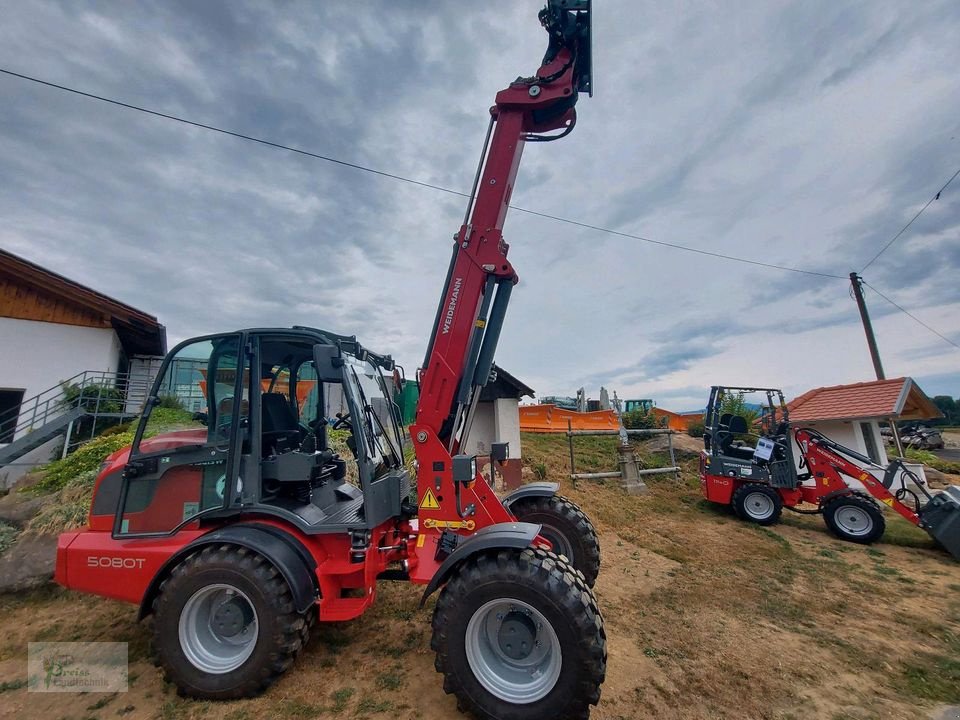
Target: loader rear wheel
(854, 518)
(568, 529)
(519, 636)
(759, 504)
(225, 625)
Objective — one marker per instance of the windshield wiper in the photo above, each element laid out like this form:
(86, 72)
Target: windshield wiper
(369, 412)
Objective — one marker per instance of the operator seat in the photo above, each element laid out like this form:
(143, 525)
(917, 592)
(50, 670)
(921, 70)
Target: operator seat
(736, 425)
(280, 430)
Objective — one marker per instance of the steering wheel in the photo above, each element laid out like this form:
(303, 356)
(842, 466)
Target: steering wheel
(342, 421)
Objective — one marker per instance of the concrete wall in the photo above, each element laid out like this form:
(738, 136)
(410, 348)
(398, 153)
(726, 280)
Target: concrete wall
(850, 434)
(50, 450)
(38, 355)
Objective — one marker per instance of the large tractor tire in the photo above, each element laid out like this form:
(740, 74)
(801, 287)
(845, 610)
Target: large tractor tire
(225, 625)
(519, 636)
(854, 518)
(759, 504)
(567, 528)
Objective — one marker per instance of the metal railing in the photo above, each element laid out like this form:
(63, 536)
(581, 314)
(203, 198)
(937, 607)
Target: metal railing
(99, 394)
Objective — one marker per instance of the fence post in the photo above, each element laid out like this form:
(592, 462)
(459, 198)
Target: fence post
(570, 439)
(673, 460)
(66, 440)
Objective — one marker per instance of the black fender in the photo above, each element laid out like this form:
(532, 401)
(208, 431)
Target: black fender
(281, 549)
(501, 535)
(537, 489)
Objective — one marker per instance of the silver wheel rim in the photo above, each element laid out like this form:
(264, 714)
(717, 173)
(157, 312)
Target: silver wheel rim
(218, 629)
(758, 506)
(561, 546)
(513, 651)
(853, 521)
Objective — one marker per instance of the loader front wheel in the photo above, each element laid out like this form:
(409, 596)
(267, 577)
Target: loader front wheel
(225, 625)
(760, 504)
(854, 518)
(519, 636)
(568, 529)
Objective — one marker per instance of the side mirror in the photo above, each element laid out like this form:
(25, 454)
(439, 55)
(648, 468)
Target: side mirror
(327, 361)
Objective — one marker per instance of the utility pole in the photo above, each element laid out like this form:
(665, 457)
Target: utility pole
(856, 283)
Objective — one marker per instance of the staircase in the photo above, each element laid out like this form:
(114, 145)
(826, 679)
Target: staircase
(77, 408)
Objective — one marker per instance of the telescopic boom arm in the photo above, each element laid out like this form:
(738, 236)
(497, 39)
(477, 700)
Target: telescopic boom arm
(480, 278)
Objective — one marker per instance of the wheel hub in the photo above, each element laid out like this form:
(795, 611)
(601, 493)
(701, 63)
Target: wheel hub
(229, 618)
(759, 506)
(517, 636)
(218, 628)
(513, 650)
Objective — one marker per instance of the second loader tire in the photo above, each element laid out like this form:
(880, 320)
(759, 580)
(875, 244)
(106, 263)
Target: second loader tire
(519, 636)
(225, 625)
(567, 528)
(854, 518)
(756, 503)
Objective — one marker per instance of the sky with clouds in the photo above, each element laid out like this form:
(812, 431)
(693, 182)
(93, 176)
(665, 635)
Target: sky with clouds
(802, 134)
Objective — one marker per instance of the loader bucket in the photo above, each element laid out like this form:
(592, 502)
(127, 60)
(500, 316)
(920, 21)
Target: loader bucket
(941, 519)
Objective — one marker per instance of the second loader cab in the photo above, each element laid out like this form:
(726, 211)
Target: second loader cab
(297, 424)
(733, 447)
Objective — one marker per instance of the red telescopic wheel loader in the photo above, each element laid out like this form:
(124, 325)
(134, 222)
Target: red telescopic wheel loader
(265, 488)
(847, 487)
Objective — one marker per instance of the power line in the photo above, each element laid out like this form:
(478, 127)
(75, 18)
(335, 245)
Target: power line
(401, 178)
(892, 240)
(910, 314)
(709, 253)
(251, 138)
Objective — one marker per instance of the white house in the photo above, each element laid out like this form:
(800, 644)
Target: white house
(497, 419)
(51, 330)
(852, 414)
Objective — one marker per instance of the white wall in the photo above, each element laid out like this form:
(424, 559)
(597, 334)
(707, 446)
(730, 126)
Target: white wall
(849, 434)
(35, 356)
(507, 423)
(482, 432)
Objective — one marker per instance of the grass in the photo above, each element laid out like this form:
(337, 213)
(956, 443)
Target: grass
(928, 458)
(8, 536)
(340, 699)
(8, 685)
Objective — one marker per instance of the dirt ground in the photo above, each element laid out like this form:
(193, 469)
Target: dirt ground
(706, 617)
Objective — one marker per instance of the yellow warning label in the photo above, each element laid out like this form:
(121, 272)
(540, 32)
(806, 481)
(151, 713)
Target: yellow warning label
(863, 476)
(429, 501)
(420, 540)
(888, 501)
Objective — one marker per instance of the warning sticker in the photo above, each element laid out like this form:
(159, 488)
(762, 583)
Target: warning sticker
(429, 501)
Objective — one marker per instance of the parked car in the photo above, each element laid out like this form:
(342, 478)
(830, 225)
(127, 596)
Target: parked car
(922, 438)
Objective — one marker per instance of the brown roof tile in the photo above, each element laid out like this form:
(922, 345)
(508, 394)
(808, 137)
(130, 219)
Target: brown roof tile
(899, 397)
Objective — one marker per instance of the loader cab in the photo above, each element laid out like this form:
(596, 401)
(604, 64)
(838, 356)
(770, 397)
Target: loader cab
(295, 424)
(745, 440)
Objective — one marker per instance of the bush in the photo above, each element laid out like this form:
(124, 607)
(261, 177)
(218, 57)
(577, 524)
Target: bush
(640, 419)
(85, 458)
(928, 458)
(92, 397)
(696, 429)
(170, 402)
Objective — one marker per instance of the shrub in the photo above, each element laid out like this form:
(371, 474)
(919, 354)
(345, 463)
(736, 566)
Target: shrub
(928, 458)
(640, 419)
(85, 458)
(170, 402)
(696, 429)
